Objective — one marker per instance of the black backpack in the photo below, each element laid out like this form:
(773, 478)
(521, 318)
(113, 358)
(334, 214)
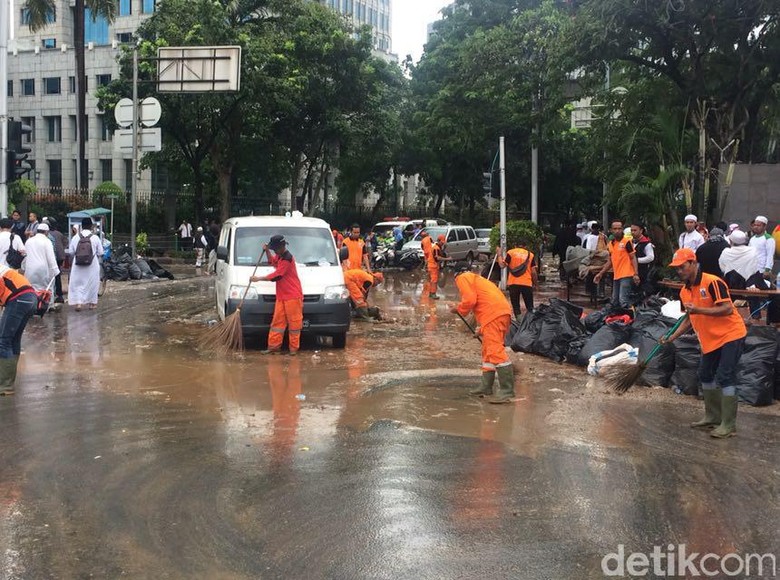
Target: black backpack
(14, 257)
(84, 254)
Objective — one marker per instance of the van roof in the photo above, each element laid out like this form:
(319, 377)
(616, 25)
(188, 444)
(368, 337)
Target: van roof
(277, 221)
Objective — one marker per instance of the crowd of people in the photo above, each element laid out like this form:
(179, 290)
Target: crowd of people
(203, 240)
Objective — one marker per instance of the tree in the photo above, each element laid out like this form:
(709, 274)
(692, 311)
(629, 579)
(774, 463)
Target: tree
(40, 14)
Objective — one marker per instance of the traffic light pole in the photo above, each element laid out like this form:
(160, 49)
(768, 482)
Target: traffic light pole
(4, 24)
(134, 184)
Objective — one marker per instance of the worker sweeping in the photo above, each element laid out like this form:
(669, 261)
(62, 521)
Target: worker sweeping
(359, 283)
(288, 311)
(435, 259)
(721, 333)
(493, 315)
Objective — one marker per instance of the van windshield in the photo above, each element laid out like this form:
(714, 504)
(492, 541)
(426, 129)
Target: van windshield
(309, 246)
(433, 232)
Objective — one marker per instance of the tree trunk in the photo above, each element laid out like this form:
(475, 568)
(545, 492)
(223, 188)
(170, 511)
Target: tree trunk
(295, 177)
(439, 201)
(81, 93)
(198, 194)
(225, 179)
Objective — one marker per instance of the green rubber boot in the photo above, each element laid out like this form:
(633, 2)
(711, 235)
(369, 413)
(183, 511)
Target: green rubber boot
(486, 389)
(728, 413)
(506, 385)
(7, 375)
(712, 404)
(362, 314)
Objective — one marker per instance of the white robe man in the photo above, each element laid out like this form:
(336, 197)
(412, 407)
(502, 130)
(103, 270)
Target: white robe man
(6, 231)
(84, 281)
(40, 265)
(691, 238)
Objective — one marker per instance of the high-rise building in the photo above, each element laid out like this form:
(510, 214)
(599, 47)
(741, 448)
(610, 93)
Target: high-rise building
(375, 13)
(42, 93)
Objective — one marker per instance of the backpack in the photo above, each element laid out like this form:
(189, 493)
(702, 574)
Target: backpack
(14, 257)
(84, 254)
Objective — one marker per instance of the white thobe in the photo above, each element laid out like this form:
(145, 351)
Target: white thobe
(84, 281)
(40, 265)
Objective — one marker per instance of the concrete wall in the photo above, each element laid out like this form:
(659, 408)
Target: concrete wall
(755, 190)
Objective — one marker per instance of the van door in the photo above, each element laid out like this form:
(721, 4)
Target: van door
(222, 268)
(453, 248)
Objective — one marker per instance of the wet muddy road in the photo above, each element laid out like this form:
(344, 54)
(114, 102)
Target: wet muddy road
(127, 452)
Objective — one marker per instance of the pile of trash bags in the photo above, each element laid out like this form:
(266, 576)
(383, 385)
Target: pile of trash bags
(560, 332)
(121, 267)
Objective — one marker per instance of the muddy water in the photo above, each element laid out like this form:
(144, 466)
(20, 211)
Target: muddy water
(128, 451)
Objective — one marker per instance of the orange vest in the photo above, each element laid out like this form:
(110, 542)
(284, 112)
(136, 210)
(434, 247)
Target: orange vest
(13, 284)
(622, 265)
(713, 331)
(356, 249)
(432, 255)
(425, 245)
(515, 258)
(482, 296)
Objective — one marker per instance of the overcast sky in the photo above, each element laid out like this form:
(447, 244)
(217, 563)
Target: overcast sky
(410, 24)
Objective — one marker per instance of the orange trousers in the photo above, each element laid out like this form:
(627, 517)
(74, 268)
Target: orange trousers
(288, 315)
(433, 275)
(493, 351)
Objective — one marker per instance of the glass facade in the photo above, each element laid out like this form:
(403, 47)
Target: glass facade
(374, 13)
(95, 29)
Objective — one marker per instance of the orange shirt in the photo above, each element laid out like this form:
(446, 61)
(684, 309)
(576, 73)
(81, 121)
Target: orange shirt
(516, 258)
(12, 283)
(713, 331)
(357, 282)
(356, 250)
(620, 252)
(432, 255)
(482, 296)
(425, 244)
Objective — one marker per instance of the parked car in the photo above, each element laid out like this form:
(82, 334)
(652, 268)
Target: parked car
(385, 229)
(461, 242)
(483, 241)
(326, 309)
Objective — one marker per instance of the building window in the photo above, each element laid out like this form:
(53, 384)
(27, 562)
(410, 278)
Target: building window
(24, 17)
(54, 129)
(124, 37)
(30, 121)
(95, 28)
(128, 174)
(75, 129)
(147, 6)
(28, 87)
(49, 43)
(105, 130)
(103, 80)
(31, 175)
(125, 7)
(51, 86)
(72, 84)
(55, 172)
(10, 90)
(106, 169)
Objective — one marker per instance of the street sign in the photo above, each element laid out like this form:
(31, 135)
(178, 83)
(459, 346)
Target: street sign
(123, 113)
(148, 140)
(151, 111)
(198, 69)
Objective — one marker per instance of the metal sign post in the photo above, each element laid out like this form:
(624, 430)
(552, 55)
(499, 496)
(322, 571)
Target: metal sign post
(4, 25)
(502, 226)
(134, 183)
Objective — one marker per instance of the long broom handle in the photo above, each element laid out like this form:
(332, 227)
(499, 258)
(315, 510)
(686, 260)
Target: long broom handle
(246, 290)
(466, 322)
(490, 273)
(658, 345)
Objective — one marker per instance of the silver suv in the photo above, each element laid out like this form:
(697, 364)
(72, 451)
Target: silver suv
(461, 242)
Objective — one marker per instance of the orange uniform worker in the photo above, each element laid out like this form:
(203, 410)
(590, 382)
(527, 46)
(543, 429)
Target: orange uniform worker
(721, 333)
(622, 261)
(493, 314)
(359, 282)
(425, 245)
(358, 253)
(521, 278)
(435, 258)
(19, 302)
(288, 311)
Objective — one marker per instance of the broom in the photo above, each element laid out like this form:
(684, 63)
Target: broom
(471, 328)
(228, 335)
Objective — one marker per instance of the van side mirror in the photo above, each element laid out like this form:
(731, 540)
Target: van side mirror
(222, 253)
(343, 253)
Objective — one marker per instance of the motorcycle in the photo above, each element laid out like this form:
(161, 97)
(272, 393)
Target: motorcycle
(384, 256)
(410, 260)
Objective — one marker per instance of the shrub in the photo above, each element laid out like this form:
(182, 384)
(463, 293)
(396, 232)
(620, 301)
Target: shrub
(141, 243)
(520, 232)
(20, 190)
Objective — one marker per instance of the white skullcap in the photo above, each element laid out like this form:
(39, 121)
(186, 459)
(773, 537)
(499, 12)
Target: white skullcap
(761, 219)
(691, 218)
(738, 238)
(733, 227)
(43, 227)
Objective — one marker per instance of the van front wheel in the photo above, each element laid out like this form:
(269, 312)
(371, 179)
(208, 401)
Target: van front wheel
(340, 340)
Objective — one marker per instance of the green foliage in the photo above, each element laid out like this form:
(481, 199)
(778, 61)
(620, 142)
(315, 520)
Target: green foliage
(101, 195)
(518, 233)
(20, 190)
(141, 243)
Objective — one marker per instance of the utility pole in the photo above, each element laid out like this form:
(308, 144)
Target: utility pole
(535, 176)
(134, 177)
(604, 191)
(5, 22)
(502, 226)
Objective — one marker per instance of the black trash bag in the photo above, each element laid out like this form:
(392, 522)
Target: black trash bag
(159, 271)
(143, 266)
(777, 369)
(756, 368)
(514, 325)
(121, 271)
(560, 325)
(495, 274)
(595, 319)
(134, 271)
(528, 329)
(606, 338)
(687, 354)
(575, 346)
(648, 327)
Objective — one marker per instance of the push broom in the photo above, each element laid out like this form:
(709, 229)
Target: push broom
(622, 377)
(471, 328)
(228, 335)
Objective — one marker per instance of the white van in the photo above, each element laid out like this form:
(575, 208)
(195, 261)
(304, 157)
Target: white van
(326, 309)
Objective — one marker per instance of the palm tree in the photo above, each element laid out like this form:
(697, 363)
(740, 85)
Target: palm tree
(39, 13)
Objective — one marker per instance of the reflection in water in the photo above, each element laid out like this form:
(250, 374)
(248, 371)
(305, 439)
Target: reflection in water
(284, 378)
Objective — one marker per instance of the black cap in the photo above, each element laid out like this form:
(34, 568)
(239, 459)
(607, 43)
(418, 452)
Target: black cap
(276, 241)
